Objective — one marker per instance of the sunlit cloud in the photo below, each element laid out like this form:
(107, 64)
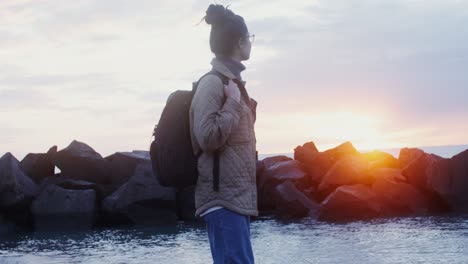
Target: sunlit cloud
(377, 73)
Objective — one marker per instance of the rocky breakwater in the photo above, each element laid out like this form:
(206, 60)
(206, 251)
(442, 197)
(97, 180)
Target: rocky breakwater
(342, 184)
(338, 184)
(89, 191)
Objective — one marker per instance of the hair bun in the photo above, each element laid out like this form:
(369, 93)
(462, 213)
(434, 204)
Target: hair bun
(215, 14)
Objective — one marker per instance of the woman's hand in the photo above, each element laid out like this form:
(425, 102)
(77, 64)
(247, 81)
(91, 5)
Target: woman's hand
(232, 90)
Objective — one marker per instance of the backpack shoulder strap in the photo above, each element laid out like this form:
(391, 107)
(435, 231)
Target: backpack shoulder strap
(223, 78)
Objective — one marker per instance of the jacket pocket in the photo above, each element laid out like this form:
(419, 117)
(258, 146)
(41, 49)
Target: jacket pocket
(241, 134)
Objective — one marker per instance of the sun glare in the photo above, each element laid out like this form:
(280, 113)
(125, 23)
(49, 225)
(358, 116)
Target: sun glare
(330, 129)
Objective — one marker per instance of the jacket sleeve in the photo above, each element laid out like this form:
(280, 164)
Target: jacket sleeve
(253, 107)
(213, 119)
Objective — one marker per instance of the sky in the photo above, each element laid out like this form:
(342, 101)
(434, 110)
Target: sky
(381, 74)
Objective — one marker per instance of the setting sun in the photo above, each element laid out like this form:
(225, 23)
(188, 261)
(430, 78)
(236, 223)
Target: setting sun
(329, 128)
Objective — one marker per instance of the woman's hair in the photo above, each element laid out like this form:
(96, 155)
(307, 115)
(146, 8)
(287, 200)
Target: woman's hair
(226, 29)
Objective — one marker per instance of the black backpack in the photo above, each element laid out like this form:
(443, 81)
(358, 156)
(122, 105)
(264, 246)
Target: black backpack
(172, 158)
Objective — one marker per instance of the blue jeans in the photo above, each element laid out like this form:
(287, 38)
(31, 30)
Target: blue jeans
(229, 235)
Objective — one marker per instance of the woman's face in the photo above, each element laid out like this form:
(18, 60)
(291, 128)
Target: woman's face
(245, 46)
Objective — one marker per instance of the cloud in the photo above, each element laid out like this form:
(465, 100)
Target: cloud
(89, 67)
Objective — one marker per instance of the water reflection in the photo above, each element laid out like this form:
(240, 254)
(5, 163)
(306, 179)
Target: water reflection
(396, 240)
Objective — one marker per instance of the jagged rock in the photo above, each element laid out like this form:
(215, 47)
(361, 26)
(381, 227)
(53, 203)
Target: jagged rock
(260, 167)
(289, 170)
(349, 203)
(379, 159)
(283, 171)
(415, 170)
(270, 161)
(142, 200)
(123, 165)
(15, 186)
(347, 171)
(68, 183)
(72, 184)
(317, 164)
(398, 197)
(408, 155)
(391, 173)
(39, 165)
(57, 208)
(306, 152)
(448, 178)
(289, 201)
(80, 162)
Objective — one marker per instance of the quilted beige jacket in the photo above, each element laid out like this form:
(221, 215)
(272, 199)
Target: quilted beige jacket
(220, 122)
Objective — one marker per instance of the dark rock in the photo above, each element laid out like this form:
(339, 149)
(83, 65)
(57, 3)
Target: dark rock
(72, 184)
(310, 192)
(448, 178)
(142, 200)
(39, 165)
(306, 152)
(288, 170)
(57, 208)
(347, 171)
(80, 162)
(443, 180)
(350, 203)
(123, 165)
(415, 171)
(398, 197)
(290, 202)
(15, 186)
(270, 161)
(68, 183)
(260, 167)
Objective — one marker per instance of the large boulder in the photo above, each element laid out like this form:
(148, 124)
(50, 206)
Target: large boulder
(289, 170)
(282, 171)
(350, 203)
(291, 202)
(142, 200)
(317, 164)
(79, 161)
(398, 197)
(270, 161)
(380, 159)
(72, 184)
(347, 171)
(306, 152)
(408, 155)
(416, 167)
(448, 178)
(15, 186)
(123, 165)
(57, 208)
(444, 178)
(39, 165)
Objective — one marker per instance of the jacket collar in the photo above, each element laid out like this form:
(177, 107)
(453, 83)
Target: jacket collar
(219, 66)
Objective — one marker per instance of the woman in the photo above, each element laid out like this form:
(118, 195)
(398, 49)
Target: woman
(222, 121)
